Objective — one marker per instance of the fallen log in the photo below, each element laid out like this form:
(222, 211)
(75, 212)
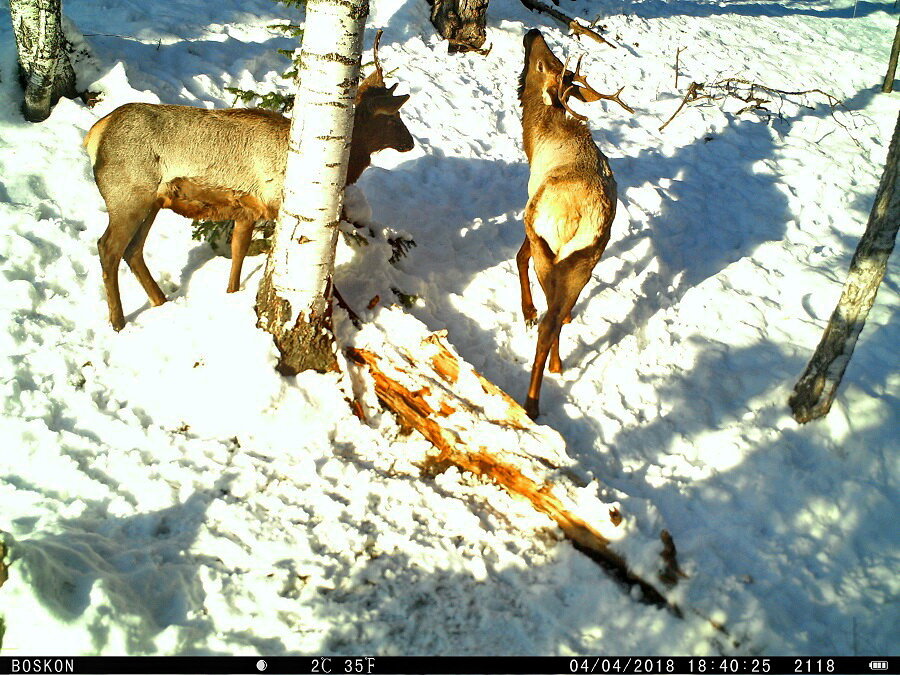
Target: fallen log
(432, 390)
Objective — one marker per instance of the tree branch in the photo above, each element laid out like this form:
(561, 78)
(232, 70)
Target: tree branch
(572, 24)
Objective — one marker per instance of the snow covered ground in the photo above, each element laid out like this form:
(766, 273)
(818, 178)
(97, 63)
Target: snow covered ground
(164, 491)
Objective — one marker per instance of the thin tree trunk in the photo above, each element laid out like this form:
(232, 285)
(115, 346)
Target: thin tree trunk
(888, 85)
(294, 296)
(818, 385)
(45, 70)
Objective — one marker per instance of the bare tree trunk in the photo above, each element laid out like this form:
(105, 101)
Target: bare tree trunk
(460, 22)
(818, 385)
(45, 70)
(888, 85)
(294, 296)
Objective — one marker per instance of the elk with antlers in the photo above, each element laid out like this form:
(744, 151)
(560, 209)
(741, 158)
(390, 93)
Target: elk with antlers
(211, 165)
(571, 198)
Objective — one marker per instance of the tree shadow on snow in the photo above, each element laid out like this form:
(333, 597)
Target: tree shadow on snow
(652, 9)
(171, 70)
(145, 567)
(715, 208)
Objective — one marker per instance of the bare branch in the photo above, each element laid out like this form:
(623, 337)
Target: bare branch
(757, 97)
(677, 57)
(691, 95)
(577, 29)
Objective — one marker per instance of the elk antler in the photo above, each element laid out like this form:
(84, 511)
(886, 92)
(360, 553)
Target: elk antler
(615, 97)
(563, 94)
(587, 92)
(378, 70)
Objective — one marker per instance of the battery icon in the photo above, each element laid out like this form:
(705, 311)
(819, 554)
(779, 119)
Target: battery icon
(878, 665)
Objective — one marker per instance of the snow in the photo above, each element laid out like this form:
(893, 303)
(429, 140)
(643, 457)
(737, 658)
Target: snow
(164, 491)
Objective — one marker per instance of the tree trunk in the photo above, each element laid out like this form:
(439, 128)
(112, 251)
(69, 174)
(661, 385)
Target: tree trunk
(294, 296)
(888, 85)
(461, 23)
(818, 385)
(477, 427)
(44, 67)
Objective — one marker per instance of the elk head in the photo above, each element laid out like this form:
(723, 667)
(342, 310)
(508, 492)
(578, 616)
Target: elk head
(377, 124)
(548, 78)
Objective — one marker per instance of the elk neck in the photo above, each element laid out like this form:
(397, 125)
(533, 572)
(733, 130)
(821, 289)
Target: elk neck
(549, 123)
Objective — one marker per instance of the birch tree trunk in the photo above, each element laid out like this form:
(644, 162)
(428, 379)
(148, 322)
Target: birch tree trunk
(45, 70)
(294, 300)
(818, 385)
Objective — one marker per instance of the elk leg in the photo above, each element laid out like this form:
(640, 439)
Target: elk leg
(548, 333)
(240, 242)
(123, 225)
(134, 256)
(522, 258)
(569, 284)
(555, 365)
(566, 312)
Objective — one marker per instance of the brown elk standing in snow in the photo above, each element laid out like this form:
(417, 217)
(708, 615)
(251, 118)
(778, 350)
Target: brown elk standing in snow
(210, 165)
(571, 198)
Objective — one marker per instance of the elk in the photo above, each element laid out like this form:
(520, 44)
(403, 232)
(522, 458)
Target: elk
(211, 165)
(571, 198)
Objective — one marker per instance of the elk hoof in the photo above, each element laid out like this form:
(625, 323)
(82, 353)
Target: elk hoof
(530, 314)
(117, 324)
(555, 367)
(531, 407)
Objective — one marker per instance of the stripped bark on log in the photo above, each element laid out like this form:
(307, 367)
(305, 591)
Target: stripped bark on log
(458, 410)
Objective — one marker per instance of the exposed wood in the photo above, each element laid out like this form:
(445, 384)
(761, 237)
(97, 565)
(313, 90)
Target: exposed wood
(577, 28)
(817, 387)
(433, 391)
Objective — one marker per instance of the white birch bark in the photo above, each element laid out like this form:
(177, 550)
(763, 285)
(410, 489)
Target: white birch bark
(45, 68)
(298, 273)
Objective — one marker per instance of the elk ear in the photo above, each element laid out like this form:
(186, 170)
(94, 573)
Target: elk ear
(387, 105)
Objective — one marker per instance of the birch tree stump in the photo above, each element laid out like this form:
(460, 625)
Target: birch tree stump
(817, 387)
(45, 70)
(459, 411)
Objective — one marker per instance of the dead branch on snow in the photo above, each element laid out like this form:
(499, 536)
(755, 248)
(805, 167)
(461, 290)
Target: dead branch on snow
(578, 29)
(757, 97)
